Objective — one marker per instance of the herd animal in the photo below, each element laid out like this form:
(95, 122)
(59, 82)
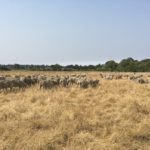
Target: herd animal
(67, 81)
(21, 82)
(11, 83)
(138, 78)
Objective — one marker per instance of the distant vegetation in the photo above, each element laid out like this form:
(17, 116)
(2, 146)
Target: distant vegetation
(125, 65)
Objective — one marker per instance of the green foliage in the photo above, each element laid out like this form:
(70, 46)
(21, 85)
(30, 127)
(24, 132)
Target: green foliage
(4, 68)
(144, 65)
(125, 65)
(110, 65)
(128, 65)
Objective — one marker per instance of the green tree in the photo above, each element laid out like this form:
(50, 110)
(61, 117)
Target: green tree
(128, 65)
(110, 66)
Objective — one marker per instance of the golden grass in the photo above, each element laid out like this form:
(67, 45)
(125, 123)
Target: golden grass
(113, 116)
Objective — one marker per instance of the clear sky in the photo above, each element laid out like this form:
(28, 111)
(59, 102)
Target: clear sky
(73, 31)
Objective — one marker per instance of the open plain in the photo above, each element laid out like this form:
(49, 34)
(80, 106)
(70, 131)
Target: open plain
(113, 115)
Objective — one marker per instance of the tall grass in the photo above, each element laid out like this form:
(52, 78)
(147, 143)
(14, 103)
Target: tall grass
(113, 116)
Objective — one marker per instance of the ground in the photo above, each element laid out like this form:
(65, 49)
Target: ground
(113, 116)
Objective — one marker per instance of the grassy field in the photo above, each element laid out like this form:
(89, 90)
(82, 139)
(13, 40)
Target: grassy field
(113, 116)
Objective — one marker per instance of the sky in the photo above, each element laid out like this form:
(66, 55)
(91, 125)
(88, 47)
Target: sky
(73, 31)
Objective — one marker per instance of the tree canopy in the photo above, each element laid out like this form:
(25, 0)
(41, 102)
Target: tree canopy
(125, 65)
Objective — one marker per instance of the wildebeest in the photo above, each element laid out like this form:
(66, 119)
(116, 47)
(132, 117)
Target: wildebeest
(94, 83)
(47, 84)
(142, 80)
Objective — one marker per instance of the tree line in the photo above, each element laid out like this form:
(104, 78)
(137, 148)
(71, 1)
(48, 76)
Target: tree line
(125, 65)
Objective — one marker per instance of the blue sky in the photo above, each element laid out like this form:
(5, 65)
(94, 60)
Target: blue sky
(73, 31)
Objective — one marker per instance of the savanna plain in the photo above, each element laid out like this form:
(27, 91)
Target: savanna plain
(115, 115)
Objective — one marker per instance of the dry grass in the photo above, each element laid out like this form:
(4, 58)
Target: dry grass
(114, 116)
